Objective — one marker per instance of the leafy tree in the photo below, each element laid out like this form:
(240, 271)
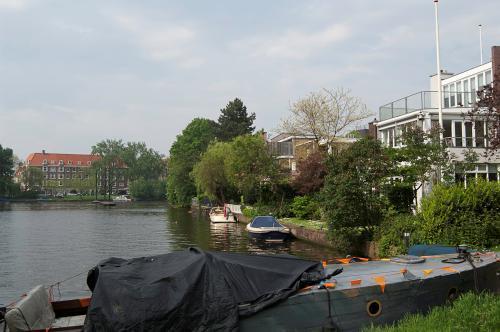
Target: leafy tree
(311, 174)
(142, 162)
(32, 178)
(488, 109)
(185, 152)
(210, 174)
(352, 199)
(325, 114)
(6, 169)
(234, 121)
(422, 158)
(151, 189)
(110, 167)
(250, 166)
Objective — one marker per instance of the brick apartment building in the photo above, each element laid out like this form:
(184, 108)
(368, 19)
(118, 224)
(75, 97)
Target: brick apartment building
(65, 173)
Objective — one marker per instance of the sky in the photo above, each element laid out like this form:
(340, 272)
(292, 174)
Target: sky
(73, 73)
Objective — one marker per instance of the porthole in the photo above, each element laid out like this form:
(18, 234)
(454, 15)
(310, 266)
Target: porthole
(374, 308)
(452, 294)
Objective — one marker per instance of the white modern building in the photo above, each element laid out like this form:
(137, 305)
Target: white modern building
(460, 132)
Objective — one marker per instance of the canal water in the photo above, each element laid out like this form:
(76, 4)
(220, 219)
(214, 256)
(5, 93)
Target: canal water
(47, 242)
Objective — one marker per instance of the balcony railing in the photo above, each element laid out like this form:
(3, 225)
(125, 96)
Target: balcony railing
(425, 100)
(466, 142)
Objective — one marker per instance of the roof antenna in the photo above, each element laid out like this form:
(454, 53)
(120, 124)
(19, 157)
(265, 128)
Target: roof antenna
(481, 42)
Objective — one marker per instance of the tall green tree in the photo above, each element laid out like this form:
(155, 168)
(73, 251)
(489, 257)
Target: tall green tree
(352, 199)
(185, 152)
(6, 169)
(234, 121)
(110, 167)
(210, 173)
(250, 166)
(32, 178)
(142, 162)
(421, 158)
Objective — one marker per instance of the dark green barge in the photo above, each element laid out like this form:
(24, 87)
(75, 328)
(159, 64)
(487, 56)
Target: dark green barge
(378, 292)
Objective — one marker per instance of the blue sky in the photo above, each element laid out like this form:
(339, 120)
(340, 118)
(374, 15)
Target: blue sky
(74, 73)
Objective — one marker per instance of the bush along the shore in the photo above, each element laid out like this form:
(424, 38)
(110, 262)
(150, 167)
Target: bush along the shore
(450, 215)
(470, 312)
(453, 215)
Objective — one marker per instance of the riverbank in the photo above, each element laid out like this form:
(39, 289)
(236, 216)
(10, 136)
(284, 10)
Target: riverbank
(470, 312)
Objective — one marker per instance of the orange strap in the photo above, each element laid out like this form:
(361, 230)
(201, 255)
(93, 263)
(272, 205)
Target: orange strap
(381, 282)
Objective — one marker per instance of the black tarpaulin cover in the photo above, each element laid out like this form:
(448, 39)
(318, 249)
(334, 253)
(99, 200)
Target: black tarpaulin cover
(191, 290)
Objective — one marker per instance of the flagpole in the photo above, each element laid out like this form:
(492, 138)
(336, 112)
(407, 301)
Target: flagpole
(438, 65)
(481, 42)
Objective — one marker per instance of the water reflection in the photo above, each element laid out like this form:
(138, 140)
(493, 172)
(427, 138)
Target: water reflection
(43, 242)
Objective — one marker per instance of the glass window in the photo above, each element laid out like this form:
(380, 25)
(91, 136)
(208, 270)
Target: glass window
(479, 131)
(458, 133)
(492, 177)
(473, 90)
(391, 137)
(452, 95)
(459, 94)
(447, 128)
(466, 93)
(468, 134)
(481, 168)
(487, 77)
(480, 81)
(446, 96)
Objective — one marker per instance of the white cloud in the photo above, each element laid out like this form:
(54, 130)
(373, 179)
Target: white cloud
(162, 42)
(16, 5)
(294, 44)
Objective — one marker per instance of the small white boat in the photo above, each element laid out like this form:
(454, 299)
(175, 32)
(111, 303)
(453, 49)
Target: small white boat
(122, 198)
(221, 215)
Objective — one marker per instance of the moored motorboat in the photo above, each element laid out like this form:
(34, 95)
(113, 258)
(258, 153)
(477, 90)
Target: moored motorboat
(221, 215)
(267, 228)
(122, 199)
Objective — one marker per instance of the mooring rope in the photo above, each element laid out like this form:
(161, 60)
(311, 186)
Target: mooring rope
(50, 289)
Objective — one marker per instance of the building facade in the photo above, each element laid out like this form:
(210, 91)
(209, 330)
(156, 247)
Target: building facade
(460, 131)
(290, 149)
(63, 173)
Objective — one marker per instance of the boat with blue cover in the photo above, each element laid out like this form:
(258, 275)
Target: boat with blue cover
(267, 228)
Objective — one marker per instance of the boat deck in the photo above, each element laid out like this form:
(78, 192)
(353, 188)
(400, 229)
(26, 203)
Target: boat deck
(371, 273)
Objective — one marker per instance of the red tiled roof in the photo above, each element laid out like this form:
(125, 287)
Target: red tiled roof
(38, 158)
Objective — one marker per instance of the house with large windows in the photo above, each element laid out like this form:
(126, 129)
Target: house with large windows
(460, 131)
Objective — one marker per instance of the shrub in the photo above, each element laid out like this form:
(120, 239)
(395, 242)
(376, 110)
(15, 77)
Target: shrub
(391, 234)
(454, 215)
(304, 207)
(142, 189)
(400, 196)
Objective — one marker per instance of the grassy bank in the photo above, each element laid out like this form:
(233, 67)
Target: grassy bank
(470, 312)
(307, 224)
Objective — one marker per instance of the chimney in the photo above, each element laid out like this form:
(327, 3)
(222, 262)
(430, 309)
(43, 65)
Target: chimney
(43, 151)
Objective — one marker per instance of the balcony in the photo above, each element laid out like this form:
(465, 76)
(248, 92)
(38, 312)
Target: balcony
(466, 142)
(425, 100)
